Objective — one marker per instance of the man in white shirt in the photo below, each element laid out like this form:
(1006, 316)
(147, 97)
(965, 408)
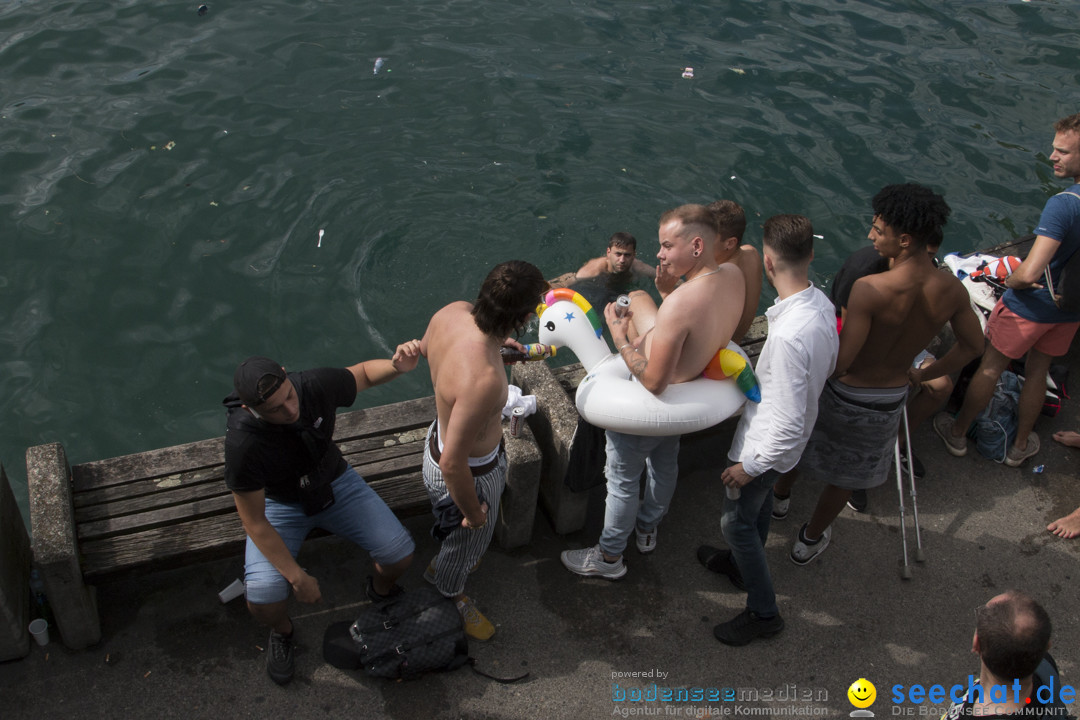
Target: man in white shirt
(798, 356)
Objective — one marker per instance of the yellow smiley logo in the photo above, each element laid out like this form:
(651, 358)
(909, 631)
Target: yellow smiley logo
(862, 693)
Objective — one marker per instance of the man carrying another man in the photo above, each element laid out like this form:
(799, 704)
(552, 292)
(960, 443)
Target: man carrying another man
(798, 356)
(891, 316)
(731, 224)
(287, 477)
(464, 461)
(660, 346)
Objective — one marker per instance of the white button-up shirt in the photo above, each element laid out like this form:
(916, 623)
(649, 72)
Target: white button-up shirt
(797, 358)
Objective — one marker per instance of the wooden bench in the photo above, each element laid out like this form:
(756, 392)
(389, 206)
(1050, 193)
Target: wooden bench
(170, 506)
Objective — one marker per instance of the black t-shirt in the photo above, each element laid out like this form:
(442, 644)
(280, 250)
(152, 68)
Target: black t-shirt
(864, 261)
(263, 456)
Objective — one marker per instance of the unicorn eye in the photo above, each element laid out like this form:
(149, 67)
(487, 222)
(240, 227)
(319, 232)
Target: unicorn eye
(549, 325)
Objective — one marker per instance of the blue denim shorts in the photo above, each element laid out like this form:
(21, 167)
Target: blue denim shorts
(358, 514)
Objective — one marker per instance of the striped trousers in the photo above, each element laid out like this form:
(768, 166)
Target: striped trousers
(462, 548)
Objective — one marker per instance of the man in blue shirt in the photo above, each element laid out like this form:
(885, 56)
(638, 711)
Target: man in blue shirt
(1027, 318)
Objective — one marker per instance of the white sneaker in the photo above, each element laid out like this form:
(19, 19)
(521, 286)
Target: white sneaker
(780, 507)
(590, 563)
(803, 551)
(646, 541)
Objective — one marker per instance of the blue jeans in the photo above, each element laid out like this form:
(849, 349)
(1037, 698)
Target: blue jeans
(627, 456)
(745, 524)
(358, 514)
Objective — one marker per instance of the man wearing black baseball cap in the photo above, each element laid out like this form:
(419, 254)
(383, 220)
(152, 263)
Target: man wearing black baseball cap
(287, 477)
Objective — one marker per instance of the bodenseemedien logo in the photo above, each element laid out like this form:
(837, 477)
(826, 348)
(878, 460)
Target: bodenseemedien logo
(862, 694)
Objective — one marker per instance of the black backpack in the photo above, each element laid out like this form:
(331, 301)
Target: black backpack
(418, 631)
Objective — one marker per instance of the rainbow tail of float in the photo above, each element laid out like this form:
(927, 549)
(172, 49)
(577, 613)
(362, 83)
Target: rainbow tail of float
(730, 364)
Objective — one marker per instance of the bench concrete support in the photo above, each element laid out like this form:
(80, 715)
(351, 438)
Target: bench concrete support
(14, 576)
(518, 508)
(553, 425)
(56, 552)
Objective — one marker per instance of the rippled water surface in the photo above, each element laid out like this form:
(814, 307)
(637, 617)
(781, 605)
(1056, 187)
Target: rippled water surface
(164, 175)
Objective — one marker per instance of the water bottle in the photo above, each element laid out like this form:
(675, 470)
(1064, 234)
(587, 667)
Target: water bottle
(733, 493)
(535, 351)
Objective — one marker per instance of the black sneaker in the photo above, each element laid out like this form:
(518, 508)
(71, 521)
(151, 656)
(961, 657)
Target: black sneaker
(378, 599)
(920, 471)
(279, 658)
(746, 627)
(720, 561)
(858, 501)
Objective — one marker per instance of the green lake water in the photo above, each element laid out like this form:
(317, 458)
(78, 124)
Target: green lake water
(164, 175)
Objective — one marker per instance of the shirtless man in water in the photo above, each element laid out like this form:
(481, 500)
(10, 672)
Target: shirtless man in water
(464, 462)
(619, 267)
(890, 318)
(660, 346)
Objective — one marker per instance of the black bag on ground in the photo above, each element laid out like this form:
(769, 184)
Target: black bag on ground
(419, 631)
(588, 455)
(997, 425)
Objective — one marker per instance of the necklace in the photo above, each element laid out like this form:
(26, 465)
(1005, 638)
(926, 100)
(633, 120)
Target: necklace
(711, 272)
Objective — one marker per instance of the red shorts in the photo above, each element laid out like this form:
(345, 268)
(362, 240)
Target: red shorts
(1013, 335)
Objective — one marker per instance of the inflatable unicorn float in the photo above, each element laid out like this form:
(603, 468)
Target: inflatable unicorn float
(611, 398)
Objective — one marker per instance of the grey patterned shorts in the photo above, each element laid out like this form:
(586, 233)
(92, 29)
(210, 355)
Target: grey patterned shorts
(854, 435)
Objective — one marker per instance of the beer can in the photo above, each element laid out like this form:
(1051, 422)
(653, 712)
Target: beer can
(622, 305)
(517, 418)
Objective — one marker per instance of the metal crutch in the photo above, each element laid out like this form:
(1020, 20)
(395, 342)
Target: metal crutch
(905, 572)
(919, 557)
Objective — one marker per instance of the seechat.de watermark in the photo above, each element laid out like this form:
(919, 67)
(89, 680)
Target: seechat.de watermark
(916, 699)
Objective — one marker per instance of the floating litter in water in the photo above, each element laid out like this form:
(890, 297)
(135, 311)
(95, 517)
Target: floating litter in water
(321, 232)
(379, 62)
(688, 73)
(203, 10)
(738, 71)
(1038, 468)
(732, 177)
(819, 237)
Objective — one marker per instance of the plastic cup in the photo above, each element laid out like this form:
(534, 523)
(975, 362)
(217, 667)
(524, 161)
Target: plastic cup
(40, 630)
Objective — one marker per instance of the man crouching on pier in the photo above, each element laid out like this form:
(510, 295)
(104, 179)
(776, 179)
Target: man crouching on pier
(287, 477)
(464, 461)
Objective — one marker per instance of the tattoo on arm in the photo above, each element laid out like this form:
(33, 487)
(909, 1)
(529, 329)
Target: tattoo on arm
(635, 361)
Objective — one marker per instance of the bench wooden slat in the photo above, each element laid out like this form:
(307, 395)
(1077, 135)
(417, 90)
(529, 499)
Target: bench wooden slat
(176, 516)
(151, 464)
(385, 420)
(142, 499)
(147, 502)
(162, 488)
(215, 536)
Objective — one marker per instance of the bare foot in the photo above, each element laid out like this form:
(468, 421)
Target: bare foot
(1068, 437)
(1068, 526)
